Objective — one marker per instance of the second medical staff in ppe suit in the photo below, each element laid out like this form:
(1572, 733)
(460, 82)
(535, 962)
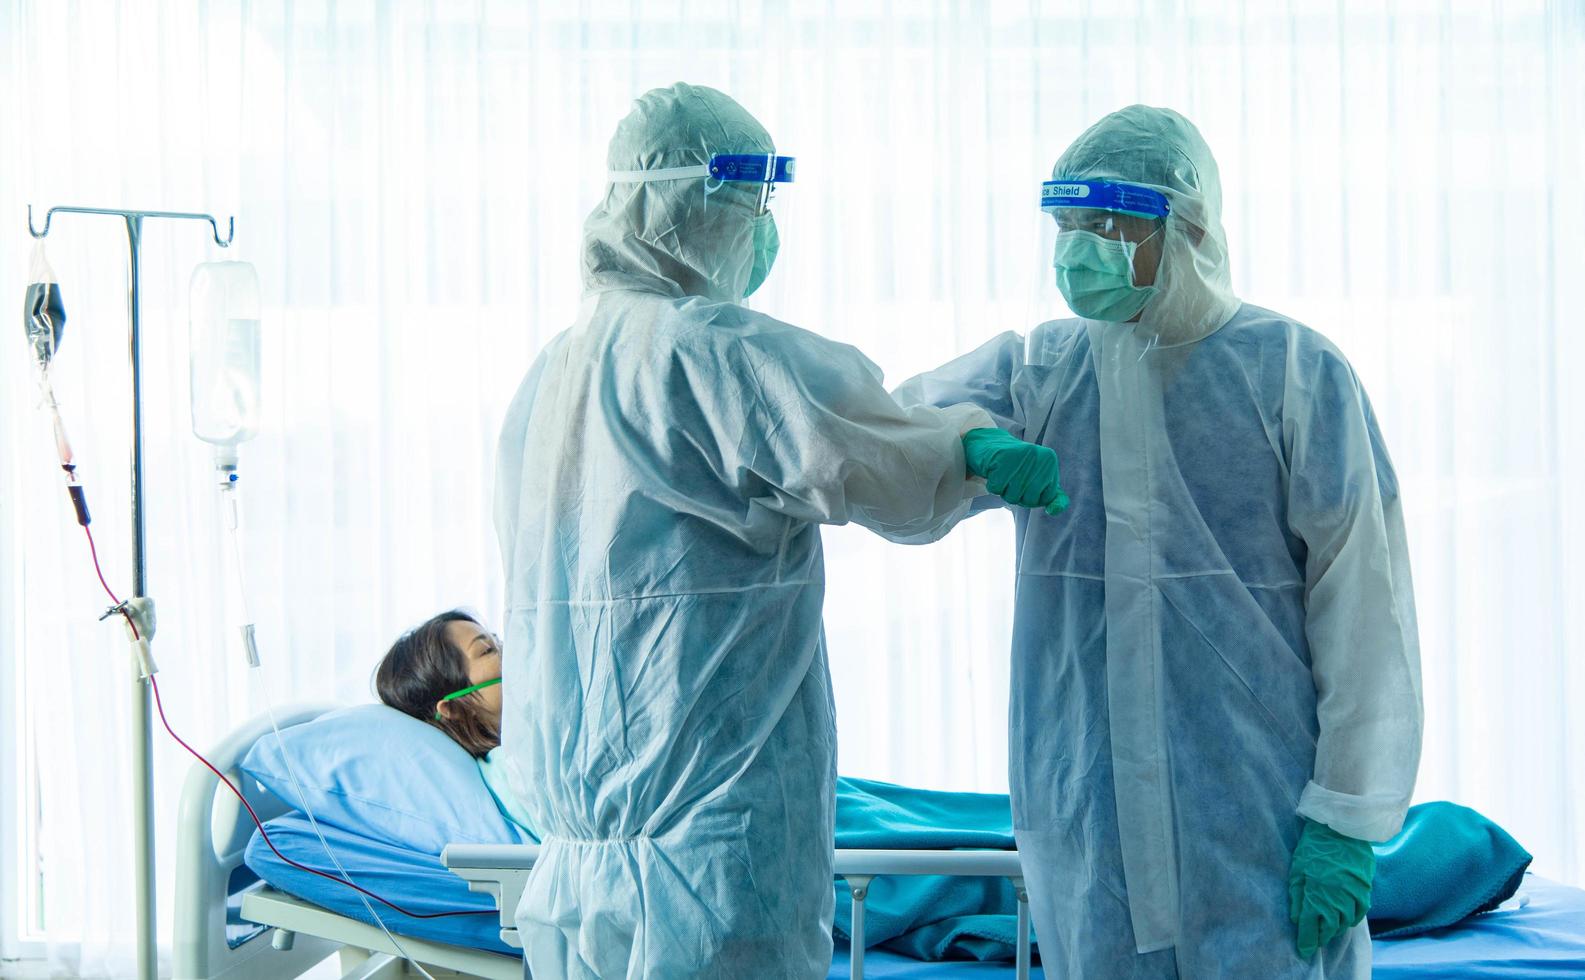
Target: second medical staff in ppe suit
(663, 473)
(1216, 681)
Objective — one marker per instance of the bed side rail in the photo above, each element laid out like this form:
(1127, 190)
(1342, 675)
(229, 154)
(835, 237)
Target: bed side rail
(501, 871)
(213, 830)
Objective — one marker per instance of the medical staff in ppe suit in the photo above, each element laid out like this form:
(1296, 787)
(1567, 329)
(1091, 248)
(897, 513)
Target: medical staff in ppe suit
(662, 476)
(1216, 682)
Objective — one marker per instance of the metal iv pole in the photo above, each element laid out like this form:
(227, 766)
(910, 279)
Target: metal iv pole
(142, 721)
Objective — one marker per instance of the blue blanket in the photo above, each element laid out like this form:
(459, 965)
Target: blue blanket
(1447, 864)
(925, 916)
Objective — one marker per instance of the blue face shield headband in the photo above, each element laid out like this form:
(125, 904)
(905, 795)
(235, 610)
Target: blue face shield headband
(765, 169)
(1103, 195)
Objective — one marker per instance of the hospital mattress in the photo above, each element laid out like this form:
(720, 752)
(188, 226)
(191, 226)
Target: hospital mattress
(417, 882)
(1540, 933)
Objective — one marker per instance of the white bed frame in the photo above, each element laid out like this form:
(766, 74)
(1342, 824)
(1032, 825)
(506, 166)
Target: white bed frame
(289, 936)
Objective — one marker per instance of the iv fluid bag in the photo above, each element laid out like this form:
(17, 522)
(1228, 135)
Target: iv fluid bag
(224, 369)
(43, 315)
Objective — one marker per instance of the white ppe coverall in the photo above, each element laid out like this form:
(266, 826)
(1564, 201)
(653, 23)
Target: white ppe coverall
(1218, 638)
(662, 476)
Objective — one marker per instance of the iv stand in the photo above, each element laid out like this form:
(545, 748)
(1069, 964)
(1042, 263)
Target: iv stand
(142, 721)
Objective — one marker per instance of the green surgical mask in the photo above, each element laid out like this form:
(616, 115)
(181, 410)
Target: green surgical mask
(1096, 276)
(766, 244)
(454, 695)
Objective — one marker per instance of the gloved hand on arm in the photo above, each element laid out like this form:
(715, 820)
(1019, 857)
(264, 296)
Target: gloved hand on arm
(1021, 473)
(1329, 885)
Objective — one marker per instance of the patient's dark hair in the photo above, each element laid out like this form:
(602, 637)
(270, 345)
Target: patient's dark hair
(422, 667)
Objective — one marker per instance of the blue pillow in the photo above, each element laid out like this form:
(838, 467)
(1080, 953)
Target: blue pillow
(373, 771)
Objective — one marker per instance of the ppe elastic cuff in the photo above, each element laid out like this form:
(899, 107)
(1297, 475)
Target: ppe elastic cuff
(1373, 817)
(968, 418)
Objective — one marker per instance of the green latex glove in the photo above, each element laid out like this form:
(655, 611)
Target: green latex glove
(1328, 885)
(1021, 473)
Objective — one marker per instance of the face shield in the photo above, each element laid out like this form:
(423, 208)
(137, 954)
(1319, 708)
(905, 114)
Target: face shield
(765, 169)
(1108, 245)
(746, 178)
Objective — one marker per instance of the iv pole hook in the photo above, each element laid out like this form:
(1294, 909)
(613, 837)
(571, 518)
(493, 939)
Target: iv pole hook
(214, 226)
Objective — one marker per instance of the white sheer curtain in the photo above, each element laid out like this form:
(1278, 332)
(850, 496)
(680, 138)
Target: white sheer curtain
(410, 179)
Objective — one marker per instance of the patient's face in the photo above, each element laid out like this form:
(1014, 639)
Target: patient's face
(484, 664)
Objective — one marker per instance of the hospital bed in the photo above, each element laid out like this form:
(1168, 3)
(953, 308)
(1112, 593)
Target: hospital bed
(229, 924)
(232, 925)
